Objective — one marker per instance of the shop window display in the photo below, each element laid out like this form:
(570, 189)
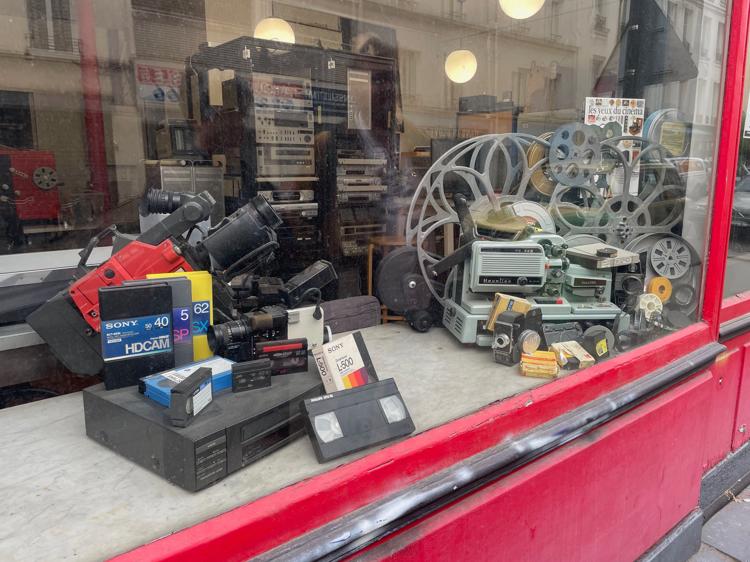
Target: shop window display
(363, 222)
(739, 243)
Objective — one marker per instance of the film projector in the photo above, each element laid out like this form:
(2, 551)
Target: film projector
(542, 218)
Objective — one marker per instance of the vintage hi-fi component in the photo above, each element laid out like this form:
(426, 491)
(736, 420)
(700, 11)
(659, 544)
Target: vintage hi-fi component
(289, 211)
(354, 419)
(236, 431)
(358, 197)
(288, 196)
(287, 92)
(282, 126)
(360, 183)
(295, 160)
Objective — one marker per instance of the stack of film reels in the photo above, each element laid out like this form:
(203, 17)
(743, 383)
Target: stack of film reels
(576, 181)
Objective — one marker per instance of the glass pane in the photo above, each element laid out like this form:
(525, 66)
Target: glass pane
(485, 195)
(739, 238)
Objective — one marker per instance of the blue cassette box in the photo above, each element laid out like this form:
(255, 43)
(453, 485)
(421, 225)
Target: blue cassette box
(158, 387)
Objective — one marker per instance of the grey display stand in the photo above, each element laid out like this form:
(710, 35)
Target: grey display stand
(67, 497)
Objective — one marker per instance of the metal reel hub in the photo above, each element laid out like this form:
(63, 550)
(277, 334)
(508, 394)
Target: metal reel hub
(45, 178)
(574, 154)
(670, 257)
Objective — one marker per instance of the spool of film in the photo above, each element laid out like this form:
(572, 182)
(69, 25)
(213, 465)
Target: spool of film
(661, 287)
(650, 304)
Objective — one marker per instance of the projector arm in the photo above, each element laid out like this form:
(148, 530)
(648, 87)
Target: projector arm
(467, 238)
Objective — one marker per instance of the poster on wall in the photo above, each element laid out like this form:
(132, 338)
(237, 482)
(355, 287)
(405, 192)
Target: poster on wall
(619, 117)
(158, 83)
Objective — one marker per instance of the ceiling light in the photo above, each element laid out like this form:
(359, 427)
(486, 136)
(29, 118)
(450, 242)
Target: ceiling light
(274, 29)
(521, 9)
(461, 66)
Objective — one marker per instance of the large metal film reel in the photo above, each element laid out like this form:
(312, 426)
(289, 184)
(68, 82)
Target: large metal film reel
(574, 154)
(470, 167)
(618, 220)
(541, 180)
(672, 257)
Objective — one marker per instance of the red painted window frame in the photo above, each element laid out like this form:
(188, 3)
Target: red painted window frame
(288, 513)
(716, 309)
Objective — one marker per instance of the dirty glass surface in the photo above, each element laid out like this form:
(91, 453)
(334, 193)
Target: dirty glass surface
(414, 208)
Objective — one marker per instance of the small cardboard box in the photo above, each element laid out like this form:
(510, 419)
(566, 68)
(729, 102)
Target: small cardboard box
(572, 354)
(506, 303)
(540, 364)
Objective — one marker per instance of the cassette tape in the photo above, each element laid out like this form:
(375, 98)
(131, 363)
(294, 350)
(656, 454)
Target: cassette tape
(354, 419)
(182, 316)
(136, 327)
(190, 397)
(158, 387)
(250, 375)
(286, 356)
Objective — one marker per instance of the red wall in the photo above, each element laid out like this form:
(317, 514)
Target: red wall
(739, 430)
(607, 496)
(719, 416)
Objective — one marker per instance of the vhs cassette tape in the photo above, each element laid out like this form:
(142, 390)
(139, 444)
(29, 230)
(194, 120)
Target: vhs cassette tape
(354, 419)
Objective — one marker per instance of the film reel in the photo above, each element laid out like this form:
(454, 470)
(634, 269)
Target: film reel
(574, 240)
(535, 213)
(683, 295)
(45, 178)
(649, 304)
(497, 169)
(611, 130)
(621, 219)
(575, 208)
(541, 179)
(684, 298)
(661, 287)
(671, 257)
(574, 154)
(471, 168)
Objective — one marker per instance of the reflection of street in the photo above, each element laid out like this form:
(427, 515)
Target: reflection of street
(738, 262)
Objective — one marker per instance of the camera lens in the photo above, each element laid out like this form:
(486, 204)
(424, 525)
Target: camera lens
(160, 201)
(238, 235)
(221, 336)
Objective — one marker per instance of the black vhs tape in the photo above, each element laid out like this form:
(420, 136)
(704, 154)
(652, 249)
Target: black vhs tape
(350, 420)
(235, 431)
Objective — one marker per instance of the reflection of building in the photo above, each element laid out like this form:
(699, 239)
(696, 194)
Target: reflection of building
(542, 65)
(39, 62)
(139, 48)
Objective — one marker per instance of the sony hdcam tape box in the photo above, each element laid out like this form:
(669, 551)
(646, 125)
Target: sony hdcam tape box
(235, 430)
